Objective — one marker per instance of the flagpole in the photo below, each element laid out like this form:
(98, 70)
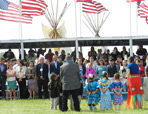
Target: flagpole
(75, 17)
(131, 40)
(137, 19)
(76, 42)
(80, 24)
(80, 20)
(20, 30)
(137, 27)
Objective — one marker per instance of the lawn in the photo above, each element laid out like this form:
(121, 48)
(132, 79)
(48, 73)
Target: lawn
(43, 107)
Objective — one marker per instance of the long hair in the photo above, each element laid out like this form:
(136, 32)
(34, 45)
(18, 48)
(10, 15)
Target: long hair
(31, 62)
(105, 75)
(102, 61)
(22, 62)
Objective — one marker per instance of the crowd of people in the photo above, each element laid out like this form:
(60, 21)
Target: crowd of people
(66, 76)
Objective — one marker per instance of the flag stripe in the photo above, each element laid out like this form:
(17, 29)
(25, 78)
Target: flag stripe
(95, 12)
(88, 5)
(13, 20)
(143, 11)
(83, 0)
(87, 9)
(134, 1)
(93, 7)
(13, 15)
(35, 3)
(33, 7)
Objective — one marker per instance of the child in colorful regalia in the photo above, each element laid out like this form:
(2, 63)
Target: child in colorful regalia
(104, 85)
(117, 88)
(91, 89)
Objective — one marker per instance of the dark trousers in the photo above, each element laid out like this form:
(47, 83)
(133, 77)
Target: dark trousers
(43, 84)
(60, 102)
(74, 94)
(22, 87)
(3, 86)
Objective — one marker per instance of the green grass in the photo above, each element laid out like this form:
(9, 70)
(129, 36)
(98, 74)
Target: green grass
(43, 107)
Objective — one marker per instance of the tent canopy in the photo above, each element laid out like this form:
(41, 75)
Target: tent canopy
(70, 42)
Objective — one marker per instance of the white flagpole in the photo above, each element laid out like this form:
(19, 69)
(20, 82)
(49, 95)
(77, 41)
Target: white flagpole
(76, 42)
(131, 41)
(80, 20)
(20, 30)
(81, 24)
(136, 19)
(75, 17)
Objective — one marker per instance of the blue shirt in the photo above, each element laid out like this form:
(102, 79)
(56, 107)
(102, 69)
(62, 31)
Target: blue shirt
(99, 70)
(2, 68)
(49, 71)
(81, 71)
(134, 68)
(55, 64)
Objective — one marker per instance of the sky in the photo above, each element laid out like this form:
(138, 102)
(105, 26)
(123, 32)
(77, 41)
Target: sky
(117, 24)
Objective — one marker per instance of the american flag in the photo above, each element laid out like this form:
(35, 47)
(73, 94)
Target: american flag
(83, 0)
(93, 7)
(33, 7)
(143, 11)
(134, 1)
(10, 12)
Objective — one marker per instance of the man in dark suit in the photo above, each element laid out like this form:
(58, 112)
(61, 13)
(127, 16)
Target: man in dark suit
(3, 69)
(112, 67)
(55, 66)
(42, 77)
(60, 60)
(70, 78)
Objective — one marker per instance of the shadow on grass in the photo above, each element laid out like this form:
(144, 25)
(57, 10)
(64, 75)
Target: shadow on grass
(145, 109)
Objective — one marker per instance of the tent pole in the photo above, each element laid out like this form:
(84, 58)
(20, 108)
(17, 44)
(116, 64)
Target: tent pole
(20, 30)
(131, 40)
(77, 48)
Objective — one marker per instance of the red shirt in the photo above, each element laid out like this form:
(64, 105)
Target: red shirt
(49, 56)
(141, 70)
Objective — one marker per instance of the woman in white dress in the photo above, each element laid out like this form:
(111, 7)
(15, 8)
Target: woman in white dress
(11, 79)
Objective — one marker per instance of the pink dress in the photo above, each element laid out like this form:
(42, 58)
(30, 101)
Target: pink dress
(90, 71)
